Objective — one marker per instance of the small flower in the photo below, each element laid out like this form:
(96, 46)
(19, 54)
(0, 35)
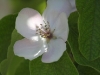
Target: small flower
(44, 35)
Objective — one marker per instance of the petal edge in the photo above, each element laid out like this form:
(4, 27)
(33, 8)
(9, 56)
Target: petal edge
(55, 50)
(28, 49)
(26, 22)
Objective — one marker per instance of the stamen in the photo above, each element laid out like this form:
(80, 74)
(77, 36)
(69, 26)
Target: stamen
(45, 25)
(44, 22)
(41, 24)
(44, 30)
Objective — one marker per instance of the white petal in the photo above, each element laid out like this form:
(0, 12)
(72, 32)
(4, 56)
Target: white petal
(61, 29)
(26, 22)
(29, 49)
(55, 50)
(50, 16)
(59, 5)
(54, 8)
(73, 5)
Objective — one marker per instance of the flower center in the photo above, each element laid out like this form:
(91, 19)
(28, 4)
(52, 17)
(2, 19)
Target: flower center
(44, 31)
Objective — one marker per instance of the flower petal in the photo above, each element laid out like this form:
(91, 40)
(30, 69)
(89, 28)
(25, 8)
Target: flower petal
(26, 22)
(61, 27)
(29, 49)
(54, 8)
(55, 50)
(59, 5)
(73, 5)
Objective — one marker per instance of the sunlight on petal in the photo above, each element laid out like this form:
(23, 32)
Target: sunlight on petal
(37, 53)
(26, 22)
(36, 38)
(30, 24)
(29, 49)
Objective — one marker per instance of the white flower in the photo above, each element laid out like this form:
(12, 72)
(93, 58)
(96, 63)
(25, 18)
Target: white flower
(5, 8)
(43, 35)
(73, 5)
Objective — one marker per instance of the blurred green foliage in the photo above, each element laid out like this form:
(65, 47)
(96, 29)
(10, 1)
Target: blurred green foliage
(39, 5)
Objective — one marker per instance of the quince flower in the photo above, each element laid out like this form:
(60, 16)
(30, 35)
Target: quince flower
(44, 35)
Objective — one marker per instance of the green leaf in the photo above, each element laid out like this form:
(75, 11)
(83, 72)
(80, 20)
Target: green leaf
(15, 37)
(12, 62)
(83, 70)
(7, 25)
(3, 67)
(23, 68)
(73, 42)
(89, 28)
(63, 67)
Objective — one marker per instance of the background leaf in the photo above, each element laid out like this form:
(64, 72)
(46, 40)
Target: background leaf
(89, 28)
(7, 25)
(23, 68)
(84, 70)
(73, 42)
(63, 67)
(3, 67)
(12, 61)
